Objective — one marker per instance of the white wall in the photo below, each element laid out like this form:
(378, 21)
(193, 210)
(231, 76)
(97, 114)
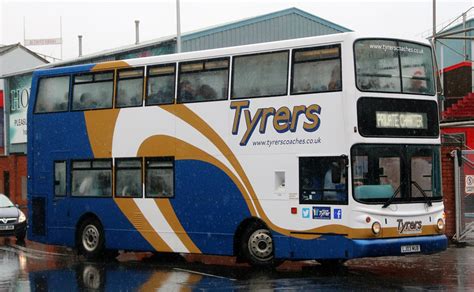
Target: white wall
(17, 60)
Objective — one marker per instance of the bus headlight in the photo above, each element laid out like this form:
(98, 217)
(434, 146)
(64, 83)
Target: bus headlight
(22, 217)
(376, 228)
(440, 225)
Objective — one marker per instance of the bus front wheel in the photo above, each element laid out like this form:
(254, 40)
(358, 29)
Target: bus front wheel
(257, 246)
(91, 239)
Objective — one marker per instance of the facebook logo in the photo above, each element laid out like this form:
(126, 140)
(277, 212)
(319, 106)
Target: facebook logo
(306, 212)
(337, 213)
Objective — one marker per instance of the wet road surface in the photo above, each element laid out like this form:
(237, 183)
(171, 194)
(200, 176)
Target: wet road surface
(35, 267)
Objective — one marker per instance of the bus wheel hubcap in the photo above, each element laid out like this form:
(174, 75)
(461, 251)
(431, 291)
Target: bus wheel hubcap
(90, 238)
(261, 244)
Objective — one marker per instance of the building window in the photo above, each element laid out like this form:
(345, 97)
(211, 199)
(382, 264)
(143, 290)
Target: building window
(53, 95)
(128, 177)
(260, 75)
(129, 88)
(316, 70)
(323, 180)
(92, 178)
(161, 84)
(203, 80)
(159, 174)
(93, 91)
(60, 178)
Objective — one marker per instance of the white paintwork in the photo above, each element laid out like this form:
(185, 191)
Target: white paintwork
(159, 223)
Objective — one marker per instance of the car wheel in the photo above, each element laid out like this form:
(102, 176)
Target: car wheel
(91, 241)
(257, 246)
(20, 237)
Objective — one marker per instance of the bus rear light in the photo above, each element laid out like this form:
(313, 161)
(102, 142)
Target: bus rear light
(367, 219)
(294, 210)
(440, 225)
(376, 228)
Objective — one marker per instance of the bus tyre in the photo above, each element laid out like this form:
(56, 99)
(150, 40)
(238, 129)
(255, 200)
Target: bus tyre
(257, 246)
(91, 239)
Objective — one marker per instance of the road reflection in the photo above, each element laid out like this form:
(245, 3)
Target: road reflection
(39, 268)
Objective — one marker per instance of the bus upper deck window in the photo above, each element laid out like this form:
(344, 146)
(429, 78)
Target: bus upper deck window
(93, 91)
(394, 66)
(161, 84)
(53, 95)
(316, 70)
(129, 88)
(260, 75)
(203, 80)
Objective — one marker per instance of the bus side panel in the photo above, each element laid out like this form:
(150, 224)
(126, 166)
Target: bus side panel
(209, 206)
(119, 232)
(66, 139)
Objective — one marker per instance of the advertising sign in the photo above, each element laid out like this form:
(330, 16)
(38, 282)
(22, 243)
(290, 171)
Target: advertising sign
(18, 95)
(43, 42)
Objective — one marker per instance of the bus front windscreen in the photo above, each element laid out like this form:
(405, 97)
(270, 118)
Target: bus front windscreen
(396, 173)
(394, 66)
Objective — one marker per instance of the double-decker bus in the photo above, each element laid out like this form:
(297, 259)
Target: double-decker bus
(321, 148)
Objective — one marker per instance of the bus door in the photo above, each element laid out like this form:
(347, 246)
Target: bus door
(60, 204)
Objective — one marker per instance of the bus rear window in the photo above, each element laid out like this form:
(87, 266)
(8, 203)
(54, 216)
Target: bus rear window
(53, 95)
(93, 91)
(260, 75)
(394, 66)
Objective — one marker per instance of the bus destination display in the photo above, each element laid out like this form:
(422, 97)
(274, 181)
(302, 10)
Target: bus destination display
(401, 120)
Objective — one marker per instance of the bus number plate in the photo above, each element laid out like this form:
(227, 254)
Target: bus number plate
(6, 227)
(410, 248)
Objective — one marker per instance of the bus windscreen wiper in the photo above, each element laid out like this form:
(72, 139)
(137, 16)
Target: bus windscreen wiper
(427, 199)
(389, 201)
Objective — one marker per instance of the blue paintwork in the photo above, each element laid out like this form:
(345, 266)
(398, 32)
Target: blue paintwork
(216, 205)
(391, 246)
(340, 247)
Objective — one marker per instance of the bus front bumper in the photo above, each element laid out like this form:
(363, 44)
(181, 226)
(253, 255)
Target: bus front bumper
(398, 246)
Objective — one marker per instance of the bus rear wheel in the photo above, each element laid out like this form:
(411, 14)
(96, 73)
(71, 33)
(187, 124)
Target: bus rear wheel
(257, 246)
(91, 241)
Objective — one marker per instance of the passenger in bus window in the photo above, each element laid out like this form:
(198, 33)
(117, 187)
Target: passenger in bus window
(304, 86)
(335, 82)
(87, 188)
(206, 92)
(161, 94)
(417, 83)
(87, 101)
(186, 91)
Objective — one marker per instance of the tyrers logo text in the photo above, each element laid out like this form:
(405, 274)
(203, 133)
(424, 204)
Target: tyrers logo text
(284, 119)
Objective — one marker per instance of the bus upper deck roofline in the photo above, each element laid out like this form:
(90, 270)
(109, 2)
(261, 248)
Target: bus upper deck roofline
(225, 51)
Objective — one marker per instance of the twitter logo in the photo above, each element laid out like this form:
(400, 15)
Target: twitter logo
(306, 212)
